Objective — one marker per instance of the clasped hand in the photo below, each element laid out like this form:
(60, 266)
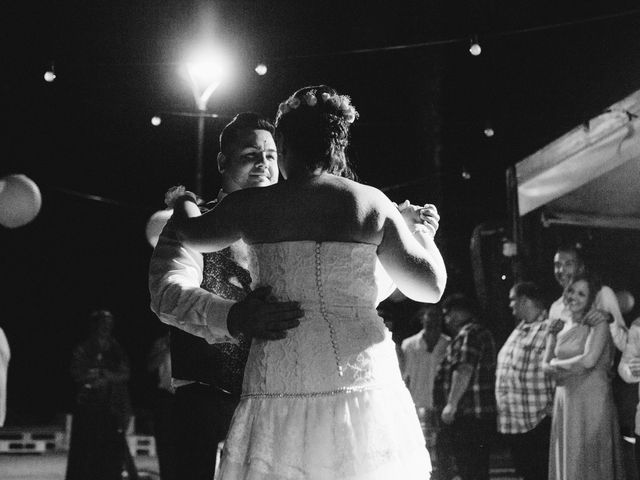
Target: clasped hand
(426, 215)
(634, 366)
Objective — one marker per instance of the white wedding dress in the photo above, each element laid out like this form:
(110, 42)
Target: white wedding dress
(328, 401)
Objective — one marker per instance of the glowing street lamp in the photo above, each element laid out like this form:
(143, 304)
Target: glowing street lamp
(205, 73)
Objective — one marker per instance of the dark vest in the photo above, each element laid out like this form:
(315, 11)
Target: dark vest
(220, 365)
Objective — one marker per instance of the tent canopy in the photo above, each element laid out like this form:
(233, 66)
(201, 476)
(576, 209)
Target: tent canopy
(589, 176)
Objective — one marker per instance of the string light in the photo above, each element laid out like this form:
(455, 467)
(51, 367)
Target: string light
(489, 131)
(156, 120)
(50, 74)
(261, 69)
(466, 175)
(474, 47)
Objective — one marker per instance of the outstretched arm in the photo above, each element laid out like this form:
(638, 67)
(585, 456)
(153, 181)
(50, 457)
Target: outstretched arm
(213, 231)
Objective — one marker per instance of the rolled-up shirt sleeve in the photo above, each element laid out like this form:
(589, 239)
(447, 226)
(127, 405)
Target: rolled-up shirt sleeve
(607, 301)
(175, 276)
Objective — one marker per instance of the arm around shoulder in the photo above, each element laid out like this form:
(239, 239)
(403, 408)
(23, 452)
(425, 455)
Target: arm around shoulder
(593, 349)
(175, 275)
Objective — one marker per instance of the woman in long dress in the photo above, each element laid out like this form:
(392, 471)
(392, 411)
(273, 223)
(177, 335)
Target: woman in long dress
(585, 437)
(327, 401)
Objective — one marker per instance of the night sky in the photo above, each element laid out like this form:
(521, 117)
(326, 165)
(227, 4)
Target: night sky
(545, 68)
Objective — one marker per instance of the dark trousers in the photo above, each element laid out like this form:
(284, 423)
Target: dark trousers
(530, 451)
(201, 420)
(98, 448)
(468, 442)
(163, 408)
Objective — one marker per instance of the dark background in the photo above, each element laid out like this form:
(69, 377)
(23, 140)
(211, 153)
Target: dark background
(546, 67)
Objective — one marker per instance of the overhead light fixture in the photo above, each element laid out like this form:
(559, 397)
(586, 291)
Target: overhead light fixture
(50, 74)
(489, 131)
(474, 46)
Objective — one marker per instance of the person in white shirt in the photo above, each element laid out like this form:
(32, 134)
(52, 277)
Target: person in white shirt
(629, 370)
(422, 354)
(569, 262)
(5, 355)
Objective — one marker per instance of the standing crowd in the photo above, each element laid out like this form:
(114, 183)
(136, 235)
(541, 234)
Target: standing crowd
(547, 392)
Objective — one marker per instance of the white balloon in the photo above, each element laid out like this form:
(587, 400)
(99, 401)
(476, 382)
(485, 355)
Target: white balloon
(625, 301)
(155, 224)
(20, 200)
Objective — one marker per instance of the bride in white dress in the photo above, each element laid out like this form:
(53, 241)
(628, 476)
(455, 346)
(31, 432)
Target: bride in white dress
(327, 402)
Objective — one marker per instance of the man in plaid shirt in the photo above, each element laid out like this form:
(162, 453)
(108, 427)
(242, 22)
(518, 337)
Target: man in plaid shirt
(464, 392)
(524, 393)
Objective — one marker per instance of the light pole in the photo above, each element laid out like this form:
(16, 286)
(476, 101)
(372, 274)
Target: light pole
(204, 79)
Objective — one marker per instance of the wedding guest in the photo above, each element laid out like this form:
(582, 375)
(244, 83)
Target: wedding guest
(629, 370)
(159, 364)
(5, 356)
(568, 262)
(100, 367)
(464, 390)
(524, 392)
(585, 437)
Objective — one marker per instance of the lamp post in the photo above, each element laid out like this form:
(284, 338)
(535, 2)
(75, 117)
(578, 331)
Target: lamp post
(204, 79)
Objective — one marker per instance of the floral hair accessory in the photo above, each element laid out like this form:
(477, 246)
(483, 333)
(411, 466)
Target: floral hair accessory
(342, 103)
(293, 102)
(311, 99)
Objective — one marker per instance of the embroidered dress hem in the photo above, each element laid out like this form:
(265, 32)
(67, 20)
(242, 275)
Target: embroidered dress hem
(368, 434)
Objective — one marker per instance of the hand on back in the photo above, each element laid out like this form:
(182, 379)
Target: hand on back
(260, 316)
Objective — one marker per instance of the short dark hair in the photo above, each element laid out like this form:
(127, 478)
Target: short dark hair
(460, 301)
(531, 291)
(242, 121)
(574, 248)
(96, 317)
(430, 309)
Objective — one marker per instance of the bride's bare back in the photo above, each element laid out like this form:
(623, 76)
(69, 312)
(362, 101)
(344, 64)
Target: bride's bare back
(325, 208)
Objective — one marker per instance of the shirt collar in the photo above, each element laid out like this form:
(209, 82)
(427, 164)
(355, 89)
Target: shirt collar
(538, 321)
(222, 194)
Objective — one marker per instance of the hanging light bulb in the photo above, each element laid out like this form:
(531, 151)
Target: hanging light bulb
(489, 131)
(261, 69)
(156, 120)
(50, 74)
(466, 175)
(474, 46)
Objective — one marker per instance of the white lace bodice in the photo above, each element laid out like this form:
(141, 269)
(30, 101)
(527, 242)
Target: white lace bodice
(341, 343)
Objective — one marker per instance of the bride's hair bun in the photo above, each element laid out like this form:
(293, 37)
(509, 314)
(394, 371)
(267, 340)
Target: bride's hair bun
(315, 123)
